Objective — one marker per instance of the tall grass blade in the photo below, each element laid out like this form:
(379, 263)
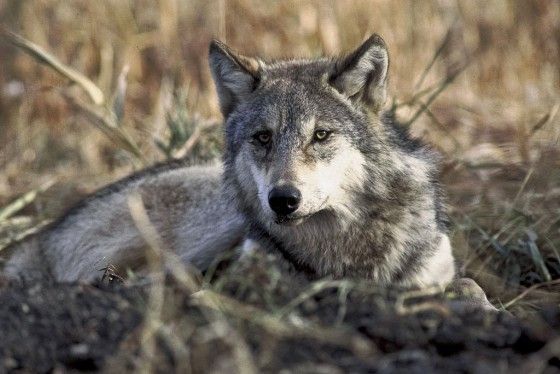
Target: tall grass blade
(46, 58)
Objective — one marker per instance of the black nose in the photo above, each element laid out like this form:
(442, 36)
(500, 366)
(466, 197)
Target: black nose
(284, 200)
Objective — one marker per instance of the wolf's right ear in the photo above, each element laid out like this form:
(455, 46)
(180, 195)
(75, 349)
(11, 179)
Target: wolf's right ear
(235, 76)
(362, 75)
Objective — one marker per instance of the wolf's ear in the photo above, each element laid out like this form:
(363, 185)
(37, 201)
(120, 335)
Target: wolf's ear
(362, 75)
(235, 76)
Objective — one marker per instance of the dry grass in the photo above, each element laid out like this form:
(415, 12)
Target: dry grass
(496, 122)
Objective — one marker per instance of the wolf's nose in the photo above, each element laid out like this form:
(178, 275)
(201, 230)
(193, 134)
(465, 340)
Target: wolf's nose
(284, 200)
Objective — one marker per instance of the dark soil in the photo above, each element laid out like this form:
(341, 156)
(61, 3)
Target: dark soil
(254, 324)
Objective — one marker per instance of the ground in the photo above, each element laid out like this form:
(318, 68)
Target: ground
(259, 316)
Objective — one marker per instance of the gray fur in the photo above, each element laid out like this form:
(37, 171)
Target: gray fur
(370, 203)
(185, 204)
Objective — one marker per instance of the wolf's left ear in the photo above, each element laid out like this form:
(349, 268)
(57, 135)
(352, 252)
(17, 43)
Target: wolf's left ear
(362, 75)
(235, 76)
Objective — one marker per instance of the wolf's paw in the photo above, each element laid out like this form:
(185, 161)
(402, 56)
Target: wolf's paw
(466, 294)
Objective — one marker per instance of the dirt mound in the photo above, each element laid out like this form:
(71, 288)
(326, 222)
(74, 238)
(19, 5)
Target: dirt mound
(257, 315)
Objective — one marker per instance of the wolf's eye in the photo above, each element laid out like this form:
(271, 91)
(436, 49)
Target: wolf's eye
(321, 135)
(263, 137)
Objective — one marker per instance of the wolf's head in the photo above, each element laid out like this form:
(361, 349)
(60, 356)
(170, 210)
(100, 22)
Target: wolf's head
(298, 132)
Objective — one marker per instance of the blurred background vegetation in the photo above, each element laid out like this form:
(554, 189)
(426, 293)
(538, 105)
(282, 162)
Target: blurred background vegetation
(496, 124)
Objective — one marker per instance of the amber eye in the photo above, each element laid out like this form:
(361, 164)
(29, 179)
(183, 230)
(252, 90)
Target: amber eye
(263, 137)
(321, 135)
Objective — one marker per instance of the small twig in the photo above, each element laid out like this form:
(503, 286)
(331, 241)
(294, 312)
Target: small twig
(446, 82)
(343, 292)
(194, 139)
(523, 185)
(520, 191)
(440, 49)
(17, 221)
(5, 243)
(24, 200)
(529, 290)
(415, 97)
(491, 239)
(546, 119)
(119, 96)
(189, 144)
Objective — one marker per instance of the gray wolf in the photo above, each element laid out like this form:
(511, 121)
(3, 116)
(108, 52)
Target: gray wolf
(313, 167)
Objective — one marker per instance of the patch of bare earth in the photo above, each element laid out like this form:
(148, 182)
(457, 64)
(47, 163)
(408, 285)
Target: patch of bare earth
(258, 315)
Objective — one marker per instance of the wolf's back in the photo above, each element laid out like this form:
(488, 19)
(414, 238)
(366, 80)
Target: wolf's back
(185, 205)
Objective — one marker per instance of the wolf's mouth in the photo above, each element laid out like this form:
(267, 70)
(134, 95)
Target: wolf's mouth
(290, 221)
(294, 220)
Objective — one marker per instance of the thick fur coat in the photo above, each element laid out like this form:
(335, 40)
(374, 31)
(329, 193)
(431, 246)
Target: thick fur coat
(313, 168)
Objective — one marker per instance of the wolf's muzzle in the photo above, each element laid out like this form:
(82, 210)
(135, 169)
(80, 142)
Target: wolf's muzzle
(284, 200)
